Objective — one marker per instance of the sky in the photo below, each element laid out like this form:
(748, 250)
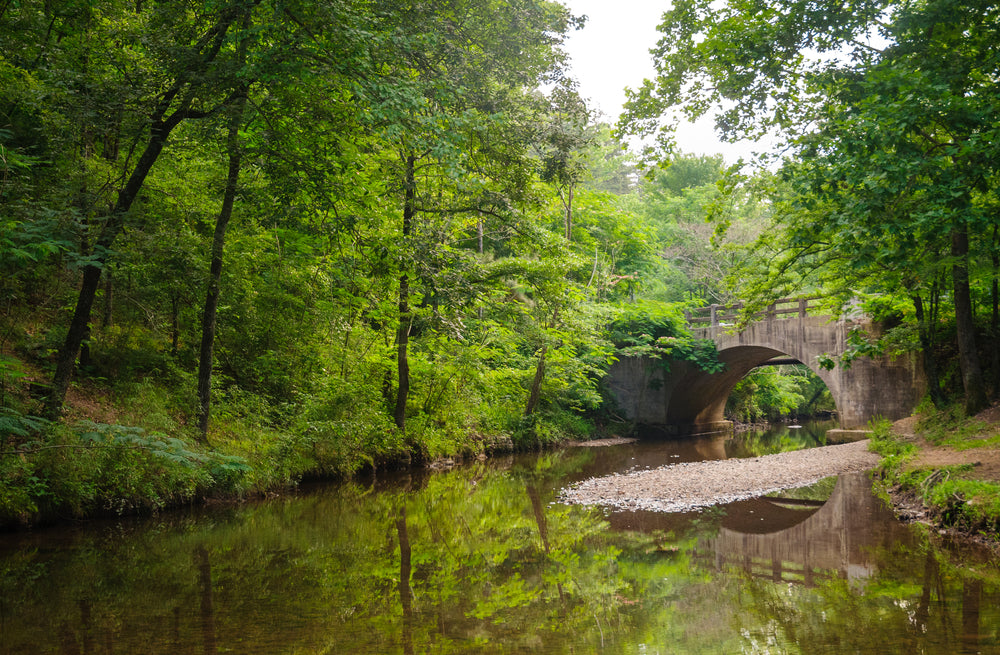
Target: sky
(612, 52)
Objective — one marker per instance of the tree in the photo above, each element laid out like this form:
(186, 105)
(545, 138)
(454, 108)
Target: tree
(567, 140)
(235, 155)
(449, 97)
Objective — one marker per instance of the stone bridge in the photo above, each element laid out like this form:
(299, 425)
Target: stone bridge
(686, 400)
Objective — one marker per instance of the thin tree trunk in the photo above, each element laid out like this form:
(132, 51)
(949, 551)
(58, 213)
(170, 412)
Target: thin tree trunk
(78, 327)
(927, 350)
(206, 357)
(536, 384)
(109, 288)
(972, 377)
(995, 318)
(405, 320)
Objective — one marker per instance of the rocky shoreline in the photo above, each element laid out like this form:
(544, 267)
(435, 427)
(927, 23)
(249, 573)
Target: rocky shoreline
(683, 487)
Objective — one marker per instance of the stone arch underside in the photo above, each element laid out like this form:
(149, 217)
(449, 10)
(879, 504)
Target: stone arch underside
(700, 398)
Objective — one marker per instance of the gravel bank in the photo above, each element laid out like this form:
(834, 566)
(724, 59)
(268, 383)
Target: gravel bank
(683, 487)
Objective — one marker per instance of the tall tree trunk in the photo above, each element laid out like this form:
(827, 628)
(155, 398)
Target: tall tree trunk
(206, 357)
(79, 325)
(405, 319)
(995, 317)
(972, 376)
(109, 289)
(927, 350)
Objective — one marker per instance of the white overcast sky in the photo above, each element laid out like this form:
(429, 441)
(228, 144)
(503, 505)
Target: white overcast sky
(611, 52)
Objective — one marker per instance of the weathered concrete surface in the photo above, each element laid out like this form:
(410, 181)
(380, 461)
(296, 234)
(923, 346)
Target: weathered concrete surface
(685, 399)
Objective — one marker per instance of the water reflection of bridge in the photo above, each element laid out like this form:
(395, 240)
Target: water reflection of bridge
(835, 540)
(791, 541)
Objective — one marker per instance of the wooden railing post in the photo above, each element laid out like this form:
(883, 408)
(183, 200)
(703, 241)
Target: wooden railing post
(803, 303)
(714, 315)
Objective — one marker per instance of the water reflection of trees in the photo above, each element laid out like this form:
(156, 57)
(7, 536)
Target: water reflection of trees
(778, 438)
(937, 609)
(474, 560)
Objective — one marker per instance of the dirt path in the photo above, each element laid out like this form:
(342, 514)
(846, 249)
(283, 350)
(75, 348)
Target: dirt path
(683, 487)
(985, 461)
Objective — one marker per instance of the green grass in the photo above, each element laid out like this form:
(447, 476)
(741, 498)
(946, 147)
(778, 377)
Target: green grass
(950, 427)
(895, 452)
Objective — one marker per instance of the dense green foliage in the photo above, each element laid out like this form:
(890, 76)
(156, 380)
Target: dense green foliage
(258, 241)
(773, 392)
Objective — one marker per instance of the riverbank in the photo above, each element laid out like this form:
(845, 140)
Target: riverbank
(133, 449)
(939, 469)
(942, 469)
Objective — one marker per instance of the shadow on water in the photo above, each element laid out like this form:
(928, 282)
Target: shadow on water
(482, 559)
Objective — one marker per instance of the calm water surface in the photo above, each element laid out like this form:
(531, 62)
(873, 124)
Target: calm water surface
(483, 559)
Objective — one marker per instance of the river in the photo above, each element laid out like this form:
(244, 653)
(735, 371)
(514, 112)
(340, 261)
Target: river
(483, 559)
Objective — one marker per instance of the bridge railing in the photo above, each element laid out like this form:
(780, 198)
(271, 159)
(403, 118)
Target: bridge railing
(714, 315)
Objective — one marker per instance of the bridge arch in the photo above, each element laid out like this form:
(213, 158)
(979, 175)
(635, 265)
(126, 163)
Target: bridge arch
(685, 399)
(700, 398)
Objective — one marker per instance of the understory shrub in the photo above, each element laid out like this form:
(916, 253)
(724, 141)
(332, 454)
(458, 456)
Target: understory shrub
(548, 427)
(92, 468)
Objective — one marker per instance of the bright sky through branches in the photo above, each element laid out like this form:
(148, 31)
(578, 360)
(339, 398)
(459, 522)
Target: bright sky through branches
(612, 52)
